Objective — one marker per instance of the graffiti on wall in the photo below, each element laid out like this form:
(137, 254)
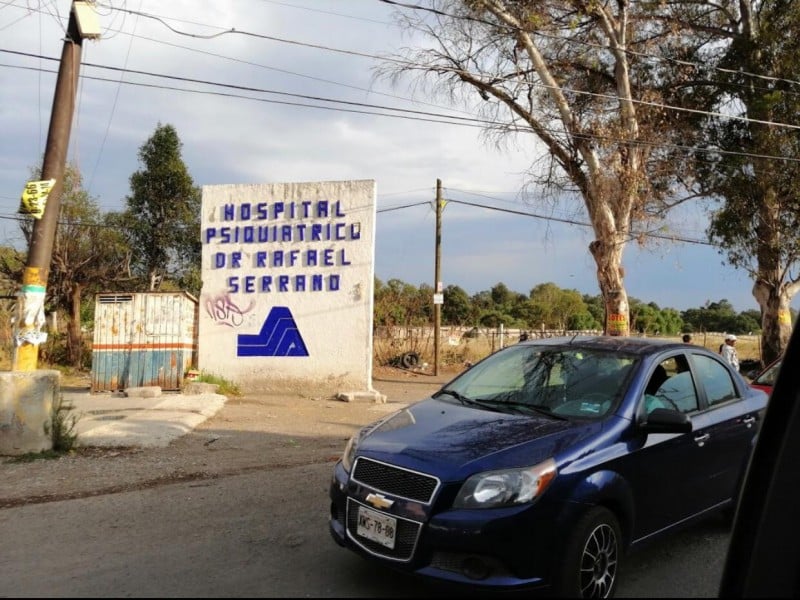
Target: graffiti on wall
(224, 311)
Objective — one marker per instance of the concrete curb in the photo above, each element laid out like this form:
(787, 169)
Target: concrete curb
(146, 421)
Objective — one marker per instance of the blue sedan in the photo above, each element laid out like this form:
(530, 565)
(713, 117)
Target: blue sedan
(545, 463)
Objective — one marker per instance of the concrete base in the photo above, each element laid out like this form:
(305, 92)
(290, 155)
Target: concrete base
(368, 396)
(27, 399)
(147, 391)
(194, 388)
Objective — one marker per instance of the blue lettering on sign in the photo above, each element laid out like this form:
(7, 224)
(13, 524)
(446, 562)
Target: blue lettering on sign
(279, 336)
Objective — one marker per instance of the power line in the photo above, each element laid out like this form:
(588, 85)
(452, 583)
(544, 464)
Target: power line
(466, 120)
(326, 12)
(382, 210)
(672, 238)
(453, 70)
(233, 31)
(633, 235)
(606, 96)
(434, 117)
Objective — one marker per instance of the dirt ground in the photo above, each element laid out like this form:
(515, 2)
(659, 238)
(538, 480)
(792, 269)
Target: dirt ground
(249, 433)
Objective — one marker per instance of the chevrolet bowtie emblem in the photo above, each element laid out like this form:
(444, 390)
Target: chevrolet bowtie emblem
(379, 501)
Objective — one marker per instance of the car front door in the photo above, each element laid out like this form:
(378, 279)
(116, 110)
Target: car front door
(667, 467)
(724, 431)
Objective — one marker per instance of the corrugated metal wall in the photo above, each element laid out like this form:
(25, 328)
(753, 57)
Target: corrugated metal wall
(143, 339)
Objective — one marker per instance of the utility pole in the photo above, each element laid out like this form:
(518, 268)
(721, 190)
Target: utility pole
(30, 300)
(437, 275)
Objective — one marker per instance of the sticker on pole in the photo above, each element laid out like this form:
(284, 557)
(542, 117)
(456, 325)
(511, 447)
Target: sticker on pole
(34, 197)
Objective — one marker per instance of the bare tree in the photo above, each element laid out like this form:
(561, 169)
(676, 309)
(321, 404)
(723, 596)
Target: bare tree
(578, 75)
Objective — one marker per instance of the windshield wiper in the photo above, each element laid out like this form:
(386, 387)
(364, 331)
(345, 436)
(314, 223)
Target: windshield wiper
(466, 401)
(457, 395)
(519, 406)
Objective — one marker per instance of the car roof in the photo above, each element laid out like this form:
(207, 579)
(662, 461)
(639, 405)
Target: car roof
(608, 343)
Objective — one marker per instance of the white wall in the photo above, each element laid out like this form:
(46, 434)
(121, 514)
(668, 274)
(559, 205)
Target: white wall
(304, 251)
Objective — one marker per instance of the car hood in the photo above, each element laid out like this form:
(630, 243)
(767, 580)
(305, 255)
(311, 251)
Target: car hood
(439, 436)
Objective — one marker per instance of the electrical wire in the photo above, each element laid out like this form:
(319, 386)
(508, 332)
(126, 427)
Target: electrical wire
(434, 117)
(233, 31)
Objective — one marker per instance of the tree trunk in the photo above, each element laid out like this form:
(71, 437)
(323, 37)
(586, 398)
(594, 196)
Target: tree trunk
(155, 280)
(608, 257)
(771, 289)
(74, 335)
(776, 319)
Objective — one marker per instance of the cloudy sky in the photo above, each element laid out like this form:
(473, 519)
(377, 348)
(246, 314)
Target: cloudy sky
(269, 91)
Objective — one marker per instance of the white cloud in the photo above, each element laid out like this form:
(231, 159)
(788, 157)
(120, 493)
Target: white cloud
(233, 140)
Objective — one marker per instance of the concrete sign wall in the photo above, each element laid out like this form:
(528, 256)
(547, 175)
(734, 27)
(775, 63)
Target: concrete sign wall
(287, 294)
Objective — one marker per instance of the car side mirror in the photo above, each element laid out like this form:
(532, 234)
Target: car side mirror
(667, 420)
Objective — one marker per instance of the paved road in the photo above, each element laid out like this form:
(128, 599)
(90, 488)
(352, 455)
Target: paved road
(246, 536)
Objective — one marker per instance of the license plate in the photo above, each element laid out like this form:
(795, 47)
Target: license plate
(376, 527)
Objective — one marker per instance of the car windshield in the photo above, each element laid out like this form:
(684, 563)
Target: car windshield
(564, 381)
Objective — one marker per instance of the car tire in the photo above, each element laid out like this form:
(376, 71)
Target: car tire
(410, 360)
(592, 557)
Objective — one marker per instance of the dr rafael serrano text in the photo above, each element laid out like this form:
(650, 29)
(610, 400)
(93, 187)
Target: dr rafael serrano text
(318, 227)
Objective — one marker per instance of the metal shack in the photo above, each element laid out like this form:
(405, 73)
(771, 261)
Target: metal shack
(143, 339)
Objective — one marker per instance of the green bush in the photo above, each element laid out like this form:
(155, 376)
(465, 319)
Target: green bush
(224, 387)
(61, 428)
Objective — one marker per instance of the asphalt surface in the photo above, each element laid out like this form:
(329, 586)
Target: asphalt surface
(152, 420)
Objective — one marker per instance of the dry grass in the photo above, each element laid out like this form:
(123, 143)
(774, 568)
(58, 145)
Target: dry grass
(386, 350)
(457, 353)
(748, 347)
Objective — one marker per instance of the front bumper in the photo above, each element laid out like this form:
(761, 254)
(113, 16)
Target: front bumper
(492, 548)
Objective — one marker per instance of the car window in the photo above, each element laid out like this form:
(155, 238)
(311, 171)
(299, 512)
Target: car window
(768, 376)
(504, 373)
(671, 386)
(716, 379)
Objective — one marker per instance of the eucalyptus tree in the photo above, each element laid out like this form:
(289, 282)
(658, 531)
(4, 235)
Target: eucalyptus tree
(164, 212)
(751, 153)
(580, 77)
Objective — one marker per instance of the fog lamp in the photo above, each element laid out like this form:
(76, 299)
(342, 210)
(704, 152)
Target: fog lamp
(475, 567)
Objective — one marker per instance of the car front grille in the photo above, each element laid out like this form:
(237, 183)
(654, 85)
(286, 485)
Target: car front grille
(405, 540)
(396, 481)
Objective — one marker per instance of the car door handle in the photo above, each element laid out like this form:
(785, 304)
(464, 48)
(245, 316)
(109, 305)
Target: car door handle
(749, 421)
(701, 439)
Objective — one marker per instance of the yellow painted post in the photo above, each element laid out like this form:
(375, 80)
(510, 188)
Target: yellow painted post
(30, 320)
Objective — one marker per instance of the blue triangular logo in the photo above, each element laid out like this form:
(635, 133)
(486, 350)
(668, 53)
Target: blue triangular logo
(279, 336)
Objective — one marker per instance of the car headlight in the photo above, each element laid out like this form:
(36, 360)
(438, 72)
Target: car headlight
(493, 489)
(349, 453)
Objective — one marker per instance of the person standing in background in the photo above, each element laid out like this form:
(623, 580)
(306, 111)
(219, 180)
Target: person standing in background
(687, 338)
(728, 351)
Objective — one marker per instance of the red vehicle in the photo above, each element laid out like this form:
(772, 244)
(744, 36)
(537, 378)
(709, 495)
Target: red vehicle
(766, 378)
